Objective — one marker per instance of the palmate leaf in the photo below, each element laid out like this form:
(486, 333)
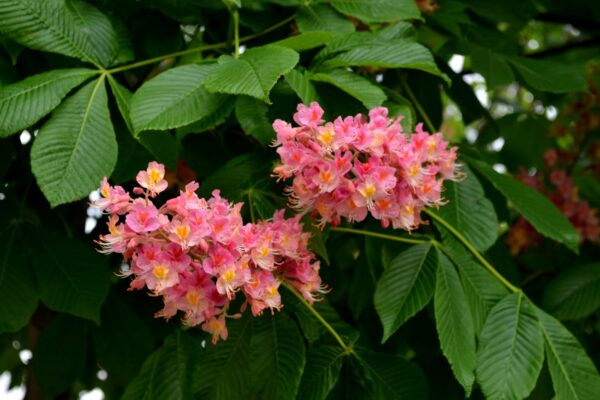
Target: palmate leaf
(548, 76)
(22, 104)
(251, 113)
(223, 371)
(322, 371)
(511, 350)
(535, 207)
(305, 41)
(574, 375)
(76, 148)
(575, 293)
(100, 32)
(405, 287)
(277, 357)
(300, 83)
(393, 377)
(52, 25)
(209, 122)
(322, 18)
(63, 342)
(169, 372)
(494, 67)
(378, 10)
(174, 98)
(254, 73)
(393, 54)
(18, 296)
(454, 323)
(355, 85)
(469, 212)
(72, 277)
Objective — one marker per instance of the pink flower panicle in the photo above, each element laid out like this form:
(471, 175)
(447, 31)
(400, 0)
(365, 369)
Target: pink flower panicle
(199, 255)
(354, 166)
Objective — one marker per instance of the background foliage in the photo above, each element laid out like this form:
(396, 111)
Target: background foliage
(99, 88)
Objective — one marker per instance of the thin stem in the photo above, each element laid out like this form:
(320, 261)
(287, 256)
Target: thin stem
(236, 33)
(472, 249)
(199, 49)
(379, 235)
(347, 349)
(417, 105)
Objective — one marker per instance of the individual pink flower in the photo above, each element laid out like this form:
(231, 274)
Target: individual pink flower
(217, 328)
(309, 116)
(153, 178)
(143, 217)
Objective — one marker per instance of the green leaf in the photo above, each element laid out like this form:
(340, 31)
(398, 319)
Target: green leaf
(254, 73)
(378, 10)
(549, 76)
(322, 18)
(277, 356)
(72, 277)
(323, 365)
(393, 377)
(353, 382)
(62, 343)
(223, 372)
(23, 103)
(355, 85)
(511, 350)
(251, 113)
(405, 287)
(305, 41)
(209, 122)
(393, 54)
(76, 148)
(535, 207)
(122, 341)
(575, 293)
(99, 30)
(48, 25)
(494, 67)
(574, 375)
(174, 98)
(18, 295)
(454, 323)
(162, 146)
(122, 96)
(168, 373)
(469, 212)
(301, 84)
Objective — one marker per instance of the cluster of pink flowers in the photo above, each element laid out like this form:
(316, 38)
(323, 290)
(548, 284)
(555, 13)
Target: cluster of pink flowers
(198, 254)
(353, 166)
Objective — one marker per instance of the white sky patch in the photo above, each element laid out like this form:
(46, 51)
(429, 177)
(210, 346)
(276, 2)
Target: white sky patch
(379, 78)
(102, 375)
(2, 196)
(499, 168)
(94, 394)
(533, 44)
(457, 63)
(25, 137)
(25, 355)
(16, 393)
(496, 145)
(242, 49)
(471, 134)
(90, 224)
(551, 113)
(477, 82)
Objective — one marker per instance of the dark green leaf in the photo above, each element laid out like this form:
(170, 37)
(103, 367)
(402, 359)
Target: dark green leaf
(405, 287)
(355, 85)
(549, 76)
(494, 67)
(321, 373)
(251, 113)
(378, 10)
(99, 31)
(322, 18)
(575, 293)
(305, 41)
(211, 121)
(302, 85)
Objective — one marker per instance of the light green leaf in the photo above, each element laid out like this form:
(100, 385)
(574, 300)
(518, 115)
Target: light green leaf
(18, 295)
(63, 342)
(99, 30)
(301, 84)
(575, 293)
(122, 96)
(174, 98)
(251, 113)
(511, 350)
(277, 356)
(49, 25)
(210, 121)
(322, 371)
(378, 10)
(305, 41)
(168, 374)
(454, 323)
(494, 67)
(393, 54)
(254, 73)
(23, 103)
(574, 375)
(549, 76)
(322, 18)
(76, 148)
(405, 287)
(72, 277)
(535, 207)
(393, 377)
(355, 85)
(469, 212)
(223, 372)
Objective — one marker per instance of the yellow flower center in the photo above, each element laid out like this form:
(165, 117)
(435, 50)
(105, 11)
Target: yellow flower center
(182, 232)
(431, 145)
(263, 251)
(414, 170)
(160, 272)
(369, 191)
(154, 176)
(229, 276)
(326, 136)
(192, 297)
(325, 176)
